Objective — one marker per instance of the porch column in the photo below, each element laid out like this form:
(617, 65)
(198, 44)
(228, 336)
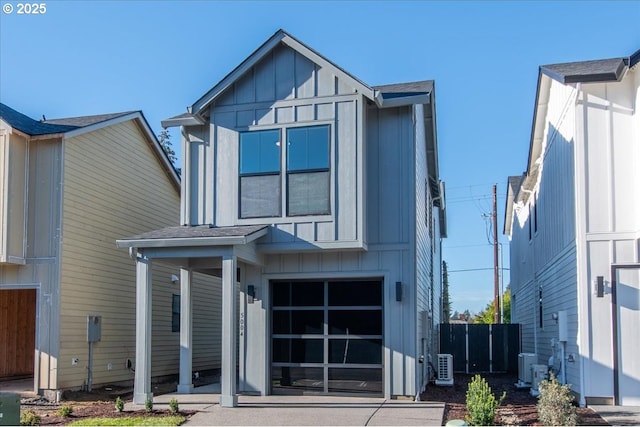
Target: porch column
(228, 397)
(186, 332)
(142, 382)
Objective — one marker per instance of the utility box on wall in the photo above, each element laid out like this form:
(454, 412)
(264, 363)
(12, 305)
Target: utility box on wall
(94, 328)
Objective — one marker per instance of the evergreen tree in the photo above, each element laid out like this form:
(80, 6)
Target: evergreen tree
(164, 138)
(446, 301)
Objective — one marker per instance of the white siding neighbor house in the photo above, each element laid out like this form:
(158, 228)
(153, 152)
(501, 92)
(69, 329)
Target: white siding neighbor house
(574, 223)
(317, 199)
(68, 189)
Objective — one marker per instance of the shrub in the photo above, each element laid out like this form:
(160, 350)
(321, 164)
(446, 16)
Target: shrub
(555, 404)
(29, 418)
(481, 403)
(65, 411)
(173, 406)
(119, 404)
(148, 405)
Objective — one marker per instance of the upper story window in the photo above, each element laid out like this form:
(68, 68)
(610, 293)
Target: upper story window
(307, 172)
(260, 174)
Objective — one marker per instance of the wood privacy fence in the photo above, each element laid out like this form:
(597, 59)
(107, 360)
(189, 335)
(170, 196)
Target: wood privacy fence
(481, 348)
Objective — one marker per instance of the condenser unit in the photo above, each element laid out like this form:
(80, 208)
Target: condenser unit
(445, 369)
(538, 374)
(525, 361)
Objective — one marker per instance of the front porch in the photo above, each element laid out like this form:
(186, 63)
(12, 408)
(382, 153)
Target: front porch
(216, 251)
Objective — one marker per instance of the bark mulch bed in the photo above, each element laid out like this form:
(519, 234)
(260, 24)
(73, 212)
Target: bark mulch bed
(518, 408)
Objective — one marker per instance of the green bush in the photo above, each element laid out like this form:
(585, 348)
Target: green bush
(173, 406)
(29, 418)
(481, 403)
(65, 411)
(555, 404)
(148, 405)
(119, 404)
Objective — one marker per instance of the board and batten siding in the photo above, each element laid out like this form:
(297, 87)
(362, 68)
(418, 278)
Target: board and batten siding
(283, 90)
(114, 186)
(390, 256)
(609, 130)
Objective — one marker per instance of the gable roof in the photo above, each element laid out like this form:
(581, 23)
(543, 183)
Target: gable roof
(279, 37)
(73, 126)
(600, 70)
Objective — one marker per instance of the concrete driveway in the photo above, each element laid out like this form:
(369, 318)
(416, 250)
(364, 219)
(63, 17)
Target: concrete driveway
(303, 410)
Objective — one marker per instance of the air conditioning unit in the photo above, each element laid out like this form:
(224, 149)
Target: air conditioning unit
(525, 361)
(445, 369)
(538, 374)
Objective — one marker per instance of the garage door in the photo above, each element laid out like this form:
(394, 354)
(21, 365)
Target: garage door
(327, 337)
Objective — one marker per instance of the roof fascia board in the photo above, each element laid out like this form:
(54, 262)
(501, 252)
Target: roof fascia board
(235, 74)
(325, 63)
(100, 125)
(539, 109)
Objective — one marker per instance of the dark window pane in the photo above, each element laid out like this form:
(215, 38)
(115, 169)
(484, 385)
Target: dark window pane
(355, 351)
(307, 294)
(260, 151)
(308, 148)
(175, 313)
(308, 193)
(298, 322)
(297, 350)
(358, 380)
(355, 322)
(355, 293)
(281, 294)
(298, 378)
(259, 196)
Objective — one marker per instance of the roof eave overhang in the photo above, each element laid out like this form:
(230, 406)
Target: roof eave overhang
(192, 120)
(192, 241)
(401, 101)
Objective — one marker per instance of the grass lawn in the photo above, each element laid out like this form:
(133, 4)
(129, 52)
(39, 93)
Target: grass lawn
(171, 420)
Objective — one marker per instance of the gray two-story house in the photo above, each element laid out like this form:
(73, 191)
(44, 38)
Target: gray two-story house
(317, 199)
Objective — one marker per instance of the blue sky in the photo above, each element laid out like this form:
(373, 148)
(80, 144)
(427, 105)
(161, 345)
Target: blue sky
(82, 58)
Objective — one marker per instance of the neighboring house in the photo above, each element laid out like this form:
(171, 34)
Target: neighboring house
(574, 223)
(68, 189)
(322, 195)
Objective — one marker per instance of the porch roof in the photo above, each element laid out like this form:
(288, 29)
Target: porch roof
(200, 235)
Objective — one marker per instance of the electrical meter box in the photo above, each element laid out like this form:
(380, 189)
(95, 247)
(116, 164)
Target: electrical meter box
(9, 409)
(94, 328)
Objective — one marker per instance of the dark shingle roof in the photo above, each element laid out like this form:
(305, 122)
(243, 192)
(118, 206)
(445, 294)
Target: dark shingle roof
(29, 126)
(399, 90)
(33, 127)
(83, 121)
(587, 71)
(188, 232)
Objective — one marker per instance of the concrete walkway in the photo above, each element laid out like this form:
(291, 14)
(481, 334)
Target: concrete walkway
(619, 415)
(301, 410)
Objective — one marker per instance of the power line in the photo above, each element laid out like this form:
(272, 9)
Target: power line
(474, 269)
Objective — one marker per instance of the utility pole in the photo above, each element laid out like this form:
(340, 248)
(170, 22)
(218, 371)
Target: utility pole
(496, 295)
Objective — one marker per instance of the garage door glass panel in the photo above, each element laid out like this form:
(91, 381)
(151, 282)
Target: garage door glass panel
(355, 293)
(354, 380)
(298, 322)
(355, 322)
(297, 350)
(355, 351)
(311, 379)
